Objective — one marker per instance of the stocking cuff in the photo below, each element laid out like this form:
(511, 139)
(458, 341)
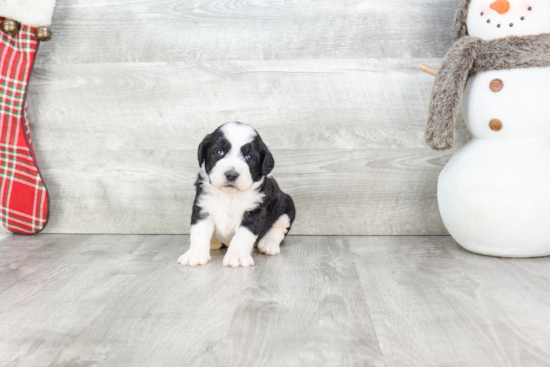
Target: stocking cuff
(33, 13)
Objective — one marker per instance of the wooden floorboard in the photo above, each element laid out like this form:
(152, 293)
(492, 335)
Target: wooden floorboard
(69, 300)
(435, 304)
(304, 308)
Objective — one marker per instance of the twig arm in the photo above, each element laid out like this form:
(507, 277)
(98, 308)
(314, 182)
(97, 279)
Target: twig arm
(428, 69)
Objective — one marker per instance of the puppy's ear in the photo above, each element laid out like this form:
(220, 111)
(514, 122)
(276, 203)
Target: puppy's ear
(203, 149)
(268, 163)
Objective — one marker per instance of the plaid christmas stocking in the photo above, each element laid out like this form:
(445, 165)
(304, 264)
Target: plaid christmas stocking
(24, 200)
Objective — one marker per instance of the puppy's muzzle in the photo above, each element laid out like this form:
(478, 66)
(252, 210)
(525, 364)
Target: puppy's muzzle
(231, 176)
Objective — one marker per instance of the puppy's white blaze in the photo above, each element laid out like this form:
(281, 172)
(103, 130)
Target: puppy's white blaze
(271, 242)
(237, 135)
(227, 210)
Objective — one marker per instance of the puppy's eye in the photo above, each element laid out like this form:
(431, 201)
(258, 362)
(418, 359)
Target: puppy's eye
(248, 157)
(220, 152)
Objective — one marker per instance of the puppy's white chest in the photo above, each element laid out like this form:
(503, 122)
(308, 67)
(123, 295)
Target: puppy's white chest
(227, 211)
(227, 217)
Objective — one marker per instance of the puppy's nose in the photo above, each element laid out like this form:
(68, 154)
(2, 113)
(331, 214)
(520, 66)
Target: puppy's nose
(231, 176)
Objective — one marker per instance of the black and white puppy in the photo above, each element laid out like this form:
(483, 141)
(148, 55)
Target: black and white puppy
(237, 204)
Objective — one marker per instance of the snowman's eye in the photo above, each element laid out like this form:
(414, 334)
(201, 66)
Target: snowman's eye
(481, 13)
(530, 8)
(488, 20)
(522, 18)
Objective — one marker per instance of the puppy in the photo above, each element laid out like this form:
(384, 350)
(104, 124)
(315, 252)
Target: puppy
(236, 203)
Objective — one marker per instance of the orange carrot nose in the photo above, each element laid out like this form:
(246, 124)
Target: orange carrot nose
(501, 6)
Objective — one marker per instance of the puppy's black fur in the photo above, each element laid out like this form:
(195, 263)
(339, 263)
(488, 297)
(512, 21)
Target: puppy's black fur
(276, 203)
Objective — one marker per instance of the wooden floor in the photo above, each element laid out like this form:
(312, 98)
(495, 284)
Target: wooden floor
(77, 300)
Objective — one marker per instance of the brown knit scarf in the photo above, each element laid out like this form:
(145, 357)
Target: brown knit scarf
(469, 56)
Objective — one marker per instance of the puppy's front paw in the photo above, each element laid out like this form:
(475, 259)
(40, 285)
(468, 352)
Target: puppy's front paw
(194, 258)
(238, 258)
(269, 246)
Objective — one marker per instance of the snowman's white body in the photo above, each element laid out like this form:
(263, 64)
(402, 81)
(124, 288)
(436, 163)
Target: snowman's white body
(494, 194)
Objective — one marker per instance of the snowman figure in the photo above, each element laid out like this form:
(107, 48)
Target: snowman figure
(494, 194)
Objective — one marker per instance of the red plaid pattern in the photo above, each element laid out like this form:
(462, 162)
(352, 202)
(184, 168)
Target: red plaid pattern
(23, 195)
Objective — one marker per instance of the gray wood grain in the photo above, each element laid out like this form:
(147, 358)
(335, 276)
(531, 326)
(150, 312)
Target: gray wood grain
(433, 304)
(319, 104)
(166, 315)
(347, 192)
(21, 257)
(122, 31)
(117, 143)
(126, 90)
(520, 288)
(320, 320)
(331, 301)
(77, 278)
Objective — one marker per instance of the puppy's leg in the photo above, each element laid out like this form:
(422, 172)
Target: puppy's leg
(240, 248)
(270, 244)
(199, 251)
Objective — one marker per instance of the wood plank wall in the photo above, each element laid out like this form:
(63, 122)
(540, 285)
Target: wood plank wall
(126, 90)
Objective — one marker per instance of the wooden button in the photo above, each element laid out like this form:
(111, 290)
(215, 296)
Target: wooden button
(496, 85)
(496, 125)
